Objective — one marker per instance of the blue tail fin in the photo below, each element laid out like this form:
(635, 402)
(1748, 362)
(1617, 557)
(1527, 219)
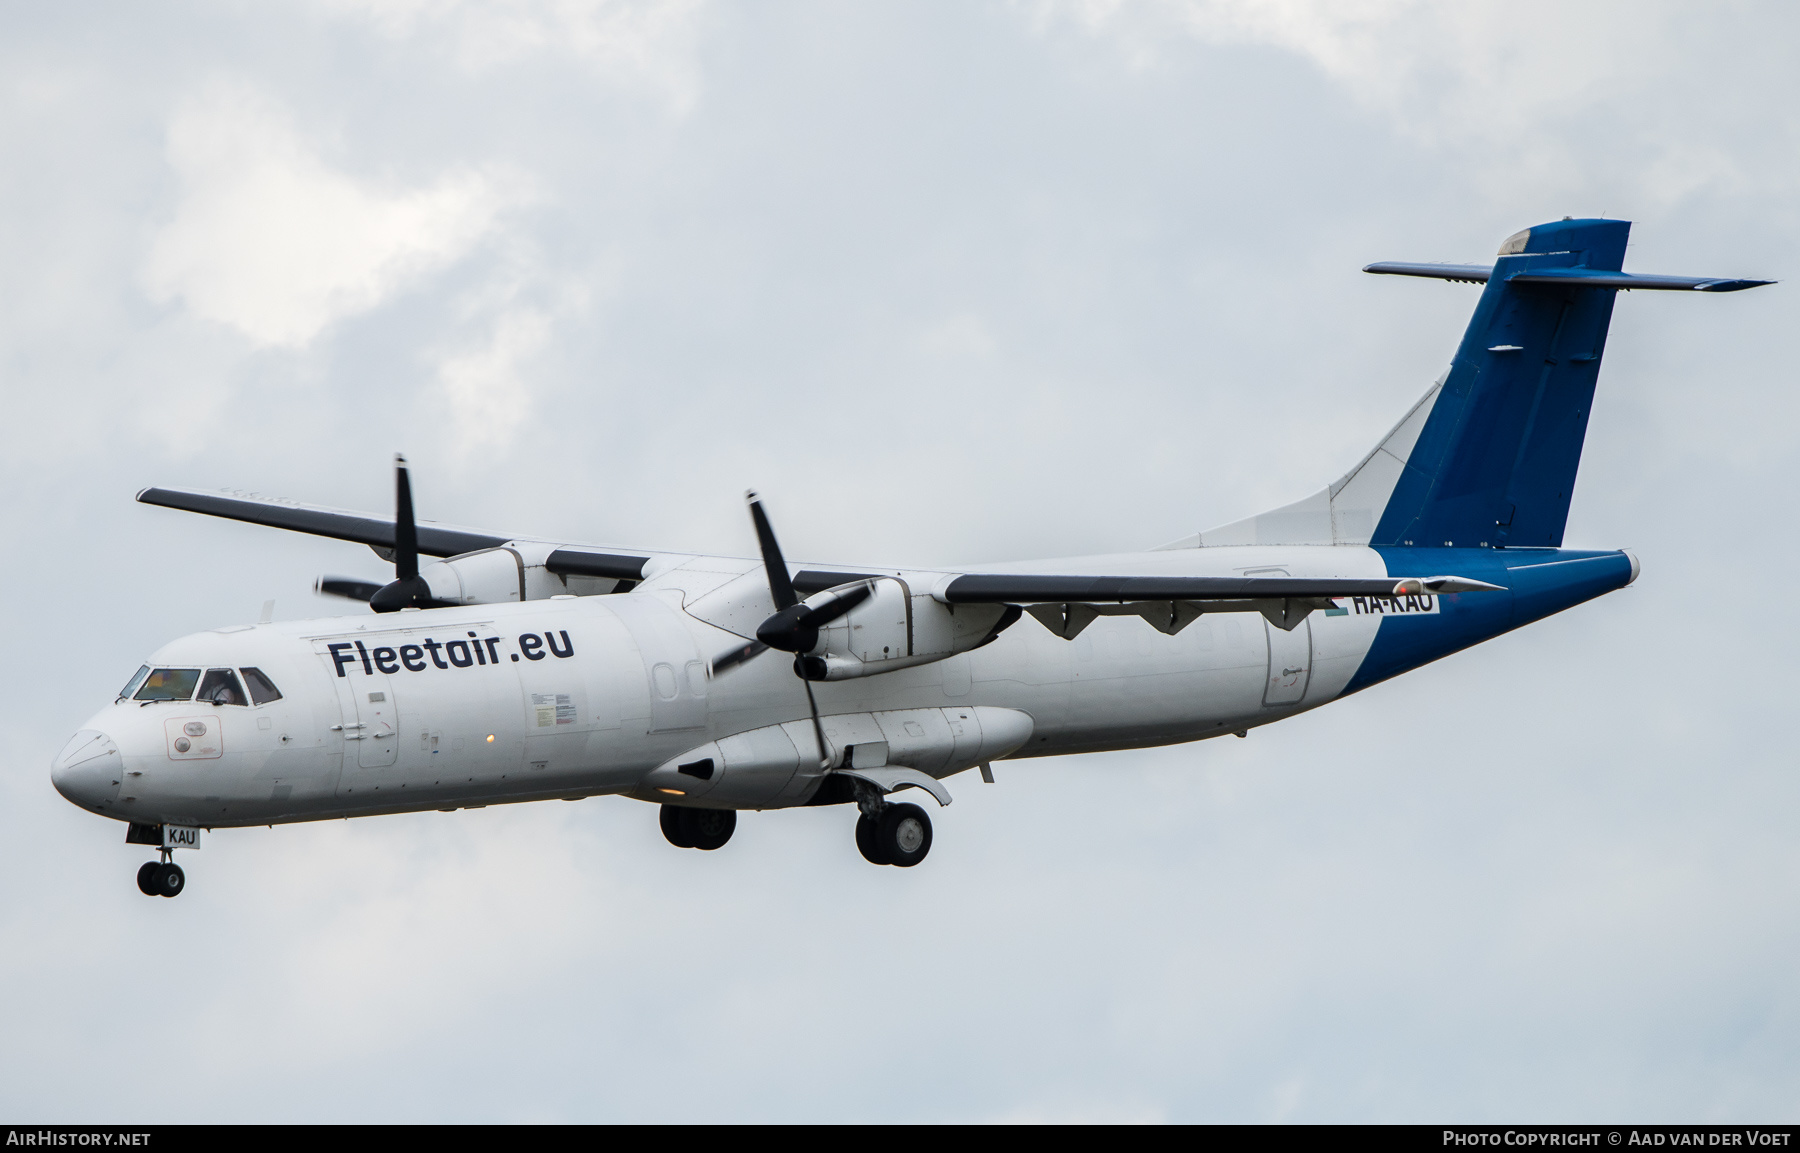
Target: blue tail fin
(1495, 461)
(1488, 457)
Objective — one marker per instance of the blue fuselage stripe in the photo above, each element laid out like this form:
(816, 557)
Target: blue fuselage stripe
(1539, 582)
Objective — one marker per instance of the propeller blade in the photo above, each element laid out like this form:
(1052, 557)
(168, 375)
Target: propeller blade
(725, 662)
(795, 629)
(347, 587)
(825, 612)
(408, 590)
(795, 626)
(813, 706)
(781, 586)
(406, 532)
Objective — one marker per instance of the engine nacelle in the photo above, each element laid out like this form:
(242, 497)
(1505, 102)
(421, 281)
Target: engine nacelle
(511, 572)
(897, 628)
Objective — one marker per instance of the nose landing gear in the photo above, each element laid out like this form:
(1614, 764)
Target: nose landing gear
(161, 878)
(706, 829)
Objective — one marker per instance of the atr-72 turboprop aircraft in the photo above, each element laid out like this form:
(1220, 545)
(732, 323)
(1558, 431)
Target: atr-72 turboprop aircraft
(519, 669)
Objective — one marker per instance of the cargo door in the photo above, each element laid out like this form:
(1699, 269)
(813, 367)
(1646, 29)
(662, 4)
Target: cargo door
(1290, 663)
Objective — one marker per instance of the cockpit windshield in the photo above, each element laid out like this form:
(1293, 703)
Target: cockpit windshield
(168, 685)
(262, 689)
(137, 678)
(221, 687)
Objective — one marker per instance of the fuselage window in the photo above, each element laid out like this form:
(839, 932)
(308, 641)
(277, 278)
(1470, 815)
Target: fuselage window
(135, 682)
(262, 689)
(221, 688)
(168, 685)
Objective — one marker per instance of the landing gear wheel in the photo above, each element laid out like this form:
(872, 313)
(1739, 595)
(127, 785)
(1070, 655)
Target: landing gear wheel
(867, 835)
(675, 828)
(160, 880)
(904, 836)
(709, 829)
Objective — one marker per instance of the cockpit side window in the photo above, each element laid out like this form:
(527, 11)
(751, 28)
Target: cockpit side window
(168, 685)
(221, 687)
(262, 689)
(135, 683)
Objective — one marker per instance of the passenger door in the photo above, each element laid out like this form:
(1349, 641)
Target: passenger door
(369, 715)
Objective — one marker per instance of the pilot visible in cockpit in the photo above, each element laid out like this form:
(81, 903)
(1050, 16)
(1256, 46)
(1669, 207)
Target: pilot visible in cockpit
(221, 687)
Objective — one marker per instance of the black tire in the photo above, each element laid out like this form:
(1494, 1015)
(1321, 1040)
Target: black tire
(868, 837)
(709, 829)
(905, 835)
(675, 828)
(169, 880)
(147, 878)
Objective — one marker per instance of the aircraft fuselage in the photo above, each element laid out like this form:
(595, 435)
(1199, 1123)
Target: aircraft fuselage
(585, 696)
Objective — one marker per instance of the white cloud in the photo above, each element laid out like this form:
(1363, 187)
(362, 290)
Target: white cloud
(1517, 89)
(962, 335)
(488, 397)
(646, 44)
(272, 241)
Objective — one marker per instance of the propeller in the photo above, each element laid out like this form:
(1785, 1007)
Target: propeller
(347, 587)
(794, 626)
(407, 589)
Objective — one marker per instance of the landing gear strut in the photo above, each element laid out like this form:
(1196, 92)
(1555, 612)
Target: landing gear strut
(161, 878)
(892, 834)
(698, 828)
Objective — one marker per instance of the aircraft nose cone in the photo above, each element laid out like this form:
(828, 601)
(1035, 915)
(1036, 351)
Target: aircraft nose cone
(88, 770)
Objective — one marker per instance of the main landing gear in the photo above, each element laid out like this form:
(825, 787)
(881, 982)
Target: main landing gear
(893, 834)
(161, 878)
(698, 828)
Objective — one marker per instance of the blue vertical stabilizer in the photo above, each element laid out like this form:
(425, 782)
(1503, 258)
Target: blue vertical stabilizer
(1487, 458)
(1495, 462)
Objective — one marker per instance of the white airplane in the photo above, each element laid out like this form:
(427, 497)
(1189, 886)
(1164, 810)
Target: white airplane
(521, 669)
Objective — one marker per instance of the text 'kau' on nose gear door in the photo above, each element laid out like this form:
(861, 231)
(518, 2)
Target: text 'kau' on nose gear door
(1290, 663)
(369, 717)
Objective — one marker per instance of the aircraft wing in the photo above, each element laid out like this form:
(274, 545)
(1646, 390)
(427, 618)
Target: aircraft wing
(377, 532)
(1031, 588)
(441, 540)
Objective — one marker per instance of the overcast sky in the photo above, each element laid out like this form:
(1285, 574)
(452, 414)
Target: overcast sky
(947, 282)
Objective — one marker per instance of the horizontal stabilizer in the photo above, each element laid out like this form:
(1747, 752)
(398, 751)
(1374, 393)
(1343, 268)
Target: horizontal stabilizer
(1463, 273)
(1569, 277)
(1598, 278)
